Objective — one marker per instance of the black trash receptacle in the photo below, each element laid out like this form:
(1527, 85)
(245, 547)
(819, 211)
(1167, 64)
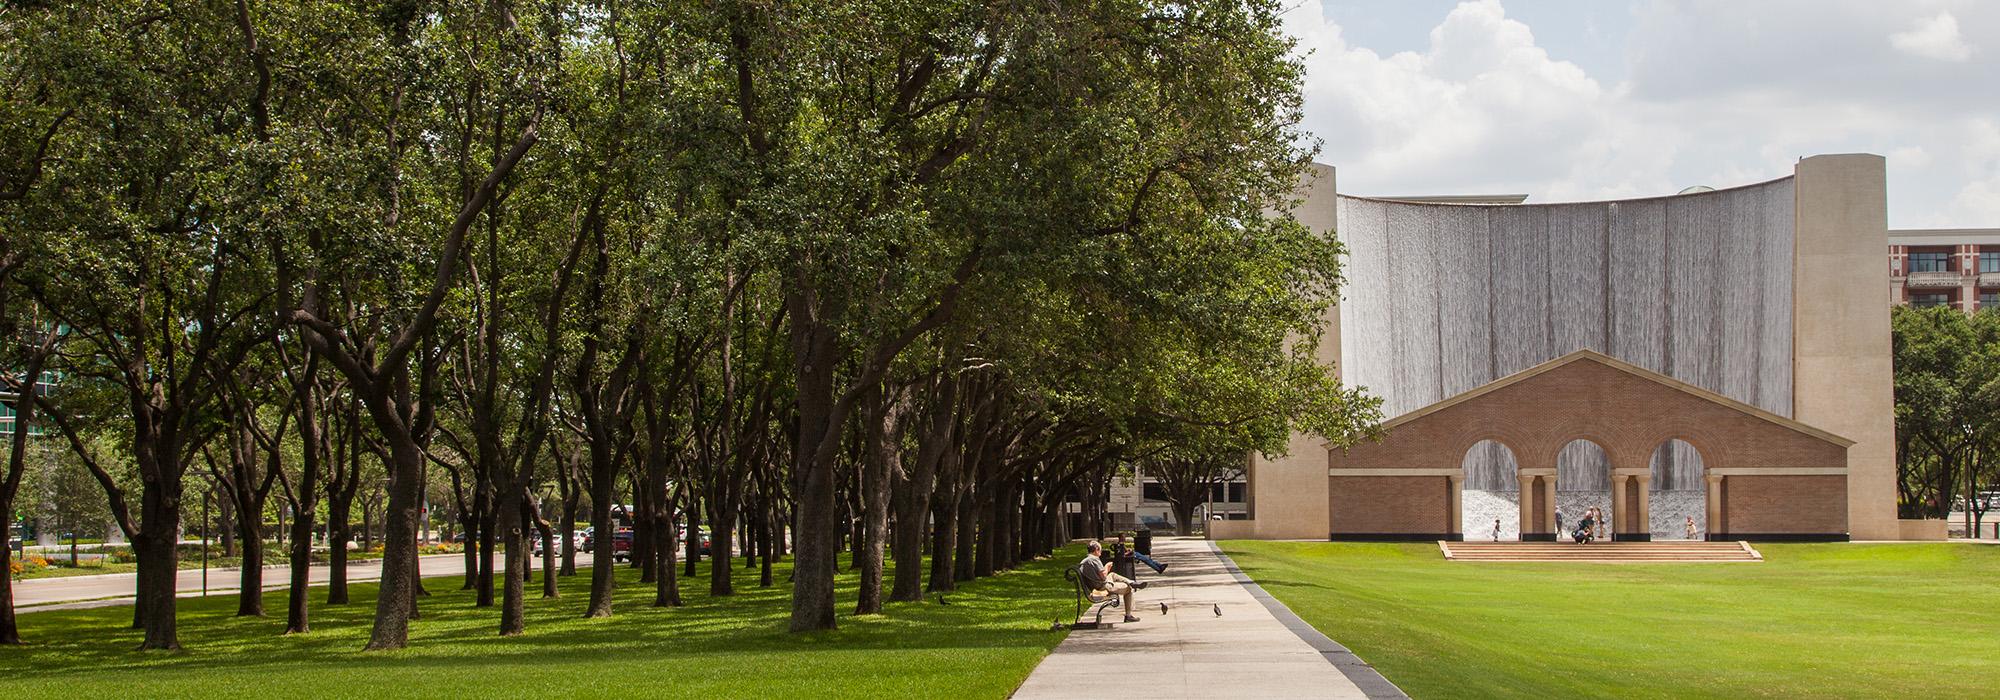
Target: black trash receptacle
(1142, 542)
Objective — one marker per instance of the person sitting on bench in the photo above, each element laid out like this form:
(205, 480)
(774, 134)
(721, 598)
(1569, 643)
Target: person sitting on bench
(1098, 576)
(1118, 551)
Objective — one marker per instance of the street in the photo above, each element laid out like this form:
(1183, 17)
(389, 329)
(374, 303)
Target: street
(116, 589)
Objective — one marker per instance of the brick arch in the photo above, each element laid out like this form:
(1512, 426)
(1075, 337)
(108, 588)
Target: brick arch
(1607, 445)
(1709, 445)
(1497, 438)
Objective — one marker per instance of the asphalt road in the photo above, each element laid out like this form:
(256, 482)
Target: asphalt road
(117, 589)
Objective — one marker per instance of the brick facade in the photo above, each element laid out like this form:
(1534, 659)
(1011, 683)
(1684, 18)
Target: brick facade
(1781, 478)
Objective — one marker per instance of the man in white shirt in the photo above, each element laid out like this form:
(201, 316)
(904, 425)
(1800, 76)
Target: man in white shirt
(1099, 577)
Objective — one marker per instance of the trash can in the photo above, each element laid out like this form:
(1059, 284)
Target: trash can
(1142, 542)
(1126, 565)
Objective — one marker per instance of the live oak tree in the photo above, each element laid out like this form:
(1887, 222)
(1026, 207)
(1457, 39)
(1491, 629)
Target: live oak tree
(1947, 410)
(773, 270)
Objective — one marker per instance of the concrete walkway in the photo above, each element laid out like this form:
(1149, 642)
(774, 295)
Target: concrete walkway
(1190, 652)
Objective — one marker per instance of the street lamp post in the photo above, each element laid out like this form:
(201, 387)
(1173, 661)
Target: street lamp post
(206, 496)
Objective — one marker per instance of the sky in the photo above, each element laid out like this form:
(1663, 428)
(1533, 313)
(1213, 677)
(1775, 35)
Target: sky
(1568, 100)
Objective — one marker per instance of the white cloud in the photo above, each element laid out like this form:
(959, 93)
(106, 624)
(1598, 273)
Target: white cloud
(1936, 37)
(1716, 94)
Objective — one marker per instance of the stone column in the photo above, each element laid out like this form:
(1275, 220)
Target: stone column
(1645, 506)
(1549, 506)
(1619, 512)
(1714, 508)
(1456, 525)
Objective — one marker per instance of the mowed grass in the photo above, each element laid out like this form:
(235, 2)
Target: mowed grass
(981, 645)
(1812, 620)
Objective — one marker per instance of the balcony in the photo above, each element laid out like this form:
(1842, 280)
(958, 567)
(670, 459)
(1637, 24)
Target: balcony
(1932, 280)
(1989, 279)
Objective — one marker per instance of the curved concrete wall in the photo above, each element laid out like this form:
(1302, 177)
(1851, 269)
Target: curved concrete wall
(1444, 298)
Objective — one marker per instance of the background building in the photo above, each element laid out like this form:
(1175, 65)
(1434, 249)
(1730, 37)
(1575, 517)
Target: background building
(1747, 296)
(1938, 267)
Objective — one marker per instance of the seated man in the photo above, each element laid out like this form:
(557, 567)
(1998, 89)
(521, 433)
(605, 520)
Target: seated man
(1097, 576)
(1118, 550)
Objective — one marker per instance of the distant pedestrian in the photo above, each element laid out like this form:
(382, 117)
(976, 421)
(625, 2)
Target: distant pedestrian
(1559, 521)
(1496, 529)
(1690, 527)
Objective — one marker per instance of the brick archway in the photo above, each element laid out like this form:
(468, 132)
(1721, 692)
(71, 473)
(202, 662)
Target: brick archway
(1767, 477)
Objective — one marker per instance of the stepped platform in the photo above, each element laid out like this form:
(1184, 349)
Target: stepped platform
(1601, 552)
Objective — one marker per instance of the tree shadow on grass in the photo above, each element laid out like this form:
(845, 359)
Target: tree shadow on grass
(1006, 613)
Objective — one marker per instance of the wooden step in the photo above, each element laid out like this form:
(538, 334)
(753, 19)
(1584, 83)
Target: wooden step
(1617, 552)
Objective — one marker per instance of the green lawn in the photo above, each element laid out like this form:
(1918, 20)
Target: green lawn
(983, 644)
(1812, 620)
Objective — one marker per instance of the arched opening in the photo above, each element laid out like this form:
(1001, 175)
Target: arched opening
(1679, 492)
(1491, 493)
(1583, 482)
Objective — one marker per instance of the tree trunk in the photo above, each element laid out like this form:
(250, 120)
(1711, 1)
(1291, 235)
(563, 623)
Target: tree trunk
(395, 599)
(548, 531)
(643, 533)
(944, 535)
(226, 513)
(513, 512)
(692, 509)
(765, 546)
(667, 586)
(877, 466)
(816, 549)
(966, 558)
(488, 517)
(250, 594)
(721, 577)
(338, 534)
(569, 505)
(10, 631)
(604, 536)
(157, 563)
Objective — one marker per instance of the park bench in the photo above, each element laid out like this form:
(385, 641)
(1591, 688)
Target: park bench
(1086, 597)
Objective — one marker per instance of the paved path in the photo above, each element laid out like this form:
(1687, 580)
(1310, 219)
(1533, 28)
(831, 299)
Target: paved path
(1189, 652)
(69, 592)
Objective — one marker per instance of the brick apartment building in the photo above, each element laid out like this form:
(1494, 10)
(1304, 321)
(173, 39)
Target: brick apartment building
(1937, 267)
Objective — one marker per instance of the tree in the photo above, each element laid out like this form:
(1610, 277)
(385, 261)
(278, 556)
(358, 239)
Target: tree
(1947, 409)
(1188, 479)
(64, 496)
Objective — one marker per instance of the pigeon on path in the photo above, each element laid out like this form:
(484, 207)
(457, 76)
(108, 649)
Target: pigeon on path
(1163, 608)
(1218, 610)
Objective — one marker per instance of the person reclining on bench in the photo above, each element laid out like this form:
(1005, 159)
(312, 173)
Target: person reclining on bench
(1097, 576)
(1118, 550)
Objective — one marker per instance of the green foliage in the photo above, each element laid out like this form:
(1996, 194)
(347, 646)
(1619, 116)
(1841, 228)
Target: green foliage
(1947, 407)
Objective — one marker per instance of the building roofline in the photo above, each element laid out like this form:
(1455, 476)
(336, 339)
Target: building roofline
(1941, 232)
(1457, 198)
(1628, 368)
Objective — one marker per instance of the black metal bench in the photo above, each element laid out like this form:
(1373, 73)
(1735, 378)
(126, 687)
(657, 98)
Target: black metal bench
(1086, 597)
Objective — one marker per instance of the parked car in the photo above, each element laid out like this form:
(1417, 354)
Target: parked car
(683, 535)
(621, 544)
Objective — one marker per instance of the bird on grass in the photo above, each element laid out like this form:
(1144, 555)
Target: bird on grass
(1218, 610)
(941, 600)
(1056, 626)
(1163, 608)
